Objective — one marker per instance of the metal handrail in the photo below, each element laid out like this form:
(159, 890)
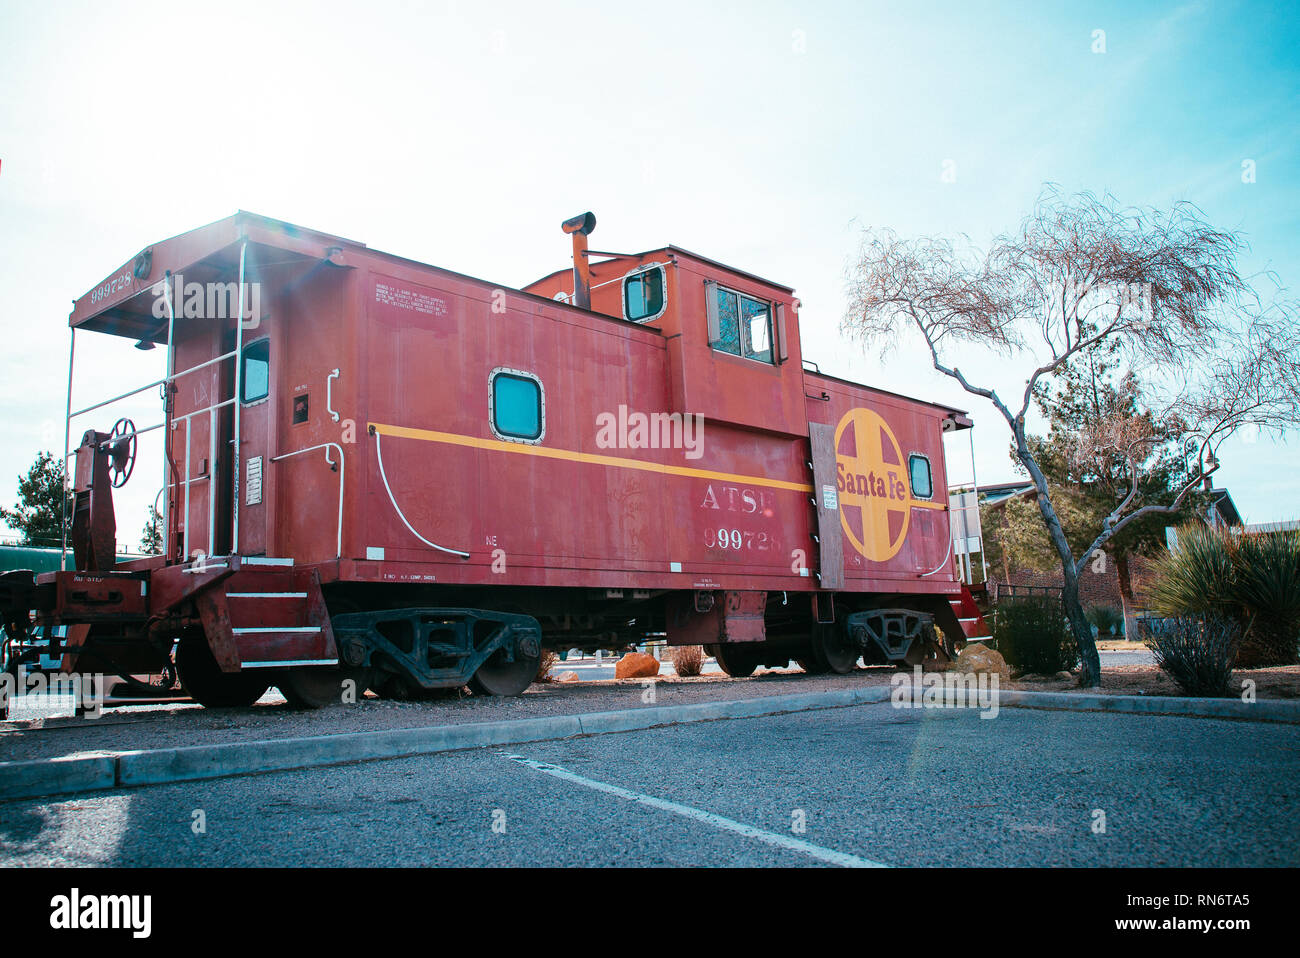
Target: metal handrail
(171, 377)
(157, 382)
(239, 391)
(327, 446)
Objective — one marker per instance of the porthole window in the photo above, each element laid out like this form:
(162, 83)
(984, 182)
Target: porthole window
(255, 380)
(643, 295)
(517, 410)
(922, 482)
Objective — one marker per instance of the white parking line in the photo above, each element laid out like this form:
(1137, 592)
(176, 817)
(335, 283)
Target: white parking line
(717, 821)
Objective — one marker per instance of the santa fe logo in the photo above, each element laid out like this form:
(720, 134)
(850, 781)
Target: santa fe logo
(875, 500)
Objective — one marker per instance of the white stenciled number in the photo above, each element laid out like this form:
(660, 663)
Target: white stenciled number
(733, 539)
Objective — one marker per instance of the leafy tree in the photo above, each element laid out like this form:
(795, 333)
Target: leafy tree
(1082, 273)
(39, 513)
(1101, 440)
(151, 537)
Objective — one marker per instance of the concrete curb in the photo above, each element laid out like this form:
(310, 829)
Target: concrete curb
(56, 776)
(1257, 711)
(197, 762)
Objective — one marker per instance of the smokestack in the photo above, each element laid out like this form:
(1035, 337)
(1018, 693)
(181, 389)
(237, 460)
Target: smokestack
(579, 227)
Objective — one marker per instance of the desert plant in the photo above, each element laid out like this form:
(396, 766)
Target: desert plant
(1107, 619)
(1268, 588)
(1196, 578)
(545, 665)
(1252, 580)
(1032, 636)
(688, 660)
(1196, 653)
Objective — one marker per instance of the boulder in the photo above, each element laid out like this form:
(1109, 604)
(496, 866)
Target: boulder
(1065, 676)
(981, 660)
(567, 677)
(636, 665)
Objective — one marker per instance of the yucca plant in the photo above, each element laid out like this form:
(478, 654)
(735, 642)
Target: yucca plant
(1252, 580)
(1197, 578)
(1268, 588)
(1107, 619)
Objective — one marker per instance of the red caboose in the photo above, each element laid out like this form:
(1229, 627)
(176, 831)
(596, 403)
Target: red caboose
(384, 471)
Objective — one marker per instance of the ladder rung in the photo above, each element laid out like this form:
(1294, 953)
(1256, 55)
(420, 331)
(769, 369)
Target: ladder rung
(266, 595)
(260, 630)
(292, 662)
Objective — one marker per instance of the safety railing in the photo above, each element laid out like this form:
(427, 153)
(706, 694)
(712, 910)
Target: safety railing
(171, 377)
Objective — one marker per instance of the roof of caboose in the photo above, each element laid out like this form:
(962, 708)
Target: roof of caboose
(123, 303)
(678, 250)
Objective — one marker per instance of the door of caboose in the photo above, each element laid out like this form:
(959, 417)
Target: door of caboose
(254, 445)
(241, 505)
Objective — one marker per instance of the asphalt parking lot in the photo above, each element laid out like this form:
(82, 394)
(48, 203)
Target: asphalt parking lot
(852, 786)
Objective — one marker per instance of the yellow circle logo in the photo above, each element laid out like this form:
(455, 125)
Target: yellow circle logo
(875, 499)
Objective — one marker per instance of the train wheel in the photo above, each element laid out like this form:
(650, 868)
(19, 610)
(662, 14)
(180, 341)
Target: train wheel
(496, 676)
(400, 688)
(928, 652)
(203, 679)
(812, 666)
(832, 647)
(318, 686)
(735, 662)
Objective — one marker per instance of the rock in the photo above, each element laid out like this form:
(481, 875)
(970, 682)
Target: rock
(1065, 676)
(636, 665)
(566, 677)
(981, 660)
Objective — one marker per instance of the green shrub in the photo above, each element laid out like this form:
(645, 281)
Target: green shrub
(1032, 636)
(1107, 619)
(1197, 653)
(1250, 580)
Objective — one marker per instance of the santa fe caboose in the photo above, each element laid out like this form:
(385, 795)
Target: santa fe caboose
(384, 471)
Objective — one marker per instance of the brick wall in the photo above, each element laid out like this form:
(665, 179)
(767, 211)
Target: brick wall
(1099, 584)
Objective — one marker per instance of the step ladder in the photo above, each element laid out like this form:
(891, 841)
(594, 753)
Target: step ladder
(276, 614)
(973, 625)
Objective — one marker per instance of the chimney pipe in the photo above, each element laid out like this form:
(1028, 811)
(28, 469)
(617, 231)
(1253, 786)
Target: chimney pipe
(579, 226)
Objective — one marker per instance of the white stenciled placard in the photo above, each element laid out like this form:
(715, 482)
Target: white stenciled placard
(830, 498)
(253, 481)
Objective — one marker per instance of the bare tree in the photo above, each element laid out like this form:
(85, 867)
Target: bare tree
(1082, 273)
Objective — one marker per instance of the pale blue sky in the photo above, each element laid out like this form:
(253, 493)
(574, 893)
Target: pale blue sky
(761, 134)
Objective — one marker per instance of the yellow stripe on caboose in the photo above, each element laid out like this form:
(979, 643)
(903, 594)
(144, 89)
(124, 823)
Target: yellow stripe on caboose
(617, 462)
